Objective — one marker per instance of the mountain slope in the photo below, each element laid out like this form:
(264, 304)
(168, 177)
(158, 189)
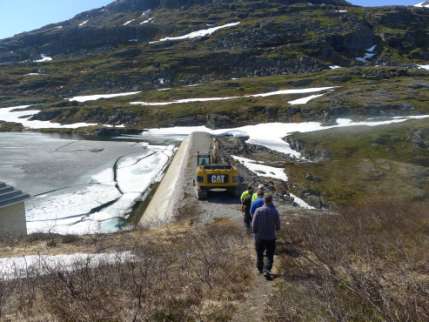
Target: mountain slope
(424, 4)
(135, 45)
(322, 30)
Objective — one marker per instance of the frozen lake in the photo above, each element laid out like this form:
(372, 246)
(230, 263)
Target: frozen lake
(79, 186)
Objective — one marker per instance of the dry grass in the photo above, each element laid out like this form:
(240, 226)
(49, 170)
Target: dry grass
(369, 263)
(189, 275)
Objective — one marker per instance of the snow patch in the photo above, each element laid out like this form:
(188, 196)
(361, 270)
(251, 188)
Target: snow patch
(335, 67)
(213, 99)
(37, 265)
(198, 33)
(301, 203)
(271, 135)
(128, 22)
(86, 98)
(43, 59)
(425, 67)
(370, 53)
(19, 114)
(146, 21)
(305, 100)
(262, 170)
(83, 23)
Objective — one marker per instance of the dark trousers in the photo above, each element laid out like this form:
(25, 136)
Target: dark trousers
(247, 218)
(262, 246)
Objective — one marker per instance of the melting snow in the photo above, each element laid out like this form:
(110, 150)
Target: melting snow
(146, 21)
(18, 114)
(305, 100)
(82, 99)
(198, 34)
(33, 74)
(211, 99)
(271, 135)
(370, 53)
(301, 202)
(36, 265)
(425, 67)
(128, 22)
(83, 23)
(43, 59)
(261, 169)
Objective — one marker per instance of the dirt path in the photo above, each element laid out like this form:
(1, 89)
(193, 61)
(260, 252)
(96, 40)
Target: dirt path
(253, 308)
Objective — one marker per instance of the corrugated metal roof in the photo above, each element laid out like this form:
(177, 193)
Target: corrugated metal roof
(9, 195)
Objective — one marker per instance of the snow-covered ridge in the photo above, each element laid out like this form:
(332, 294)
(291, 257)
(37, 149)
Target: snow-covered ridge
(86, 98)
(37, 265)
(198, 33)
(305, 100)
(214, 99)
(43, 59)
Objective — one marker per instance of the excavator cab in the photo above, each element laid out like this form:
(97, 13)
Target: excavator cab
(203, 159)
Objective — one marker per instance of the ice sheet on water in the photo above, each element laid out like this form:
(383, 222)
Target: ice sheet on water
(102, 204)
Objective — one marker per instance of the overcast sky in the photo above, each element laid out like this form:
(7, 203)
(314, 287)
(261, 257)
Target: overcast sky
(24, 15)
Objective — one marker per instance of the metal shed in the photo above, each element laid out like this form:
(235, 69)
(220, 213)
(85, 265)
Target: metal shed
(12, 211)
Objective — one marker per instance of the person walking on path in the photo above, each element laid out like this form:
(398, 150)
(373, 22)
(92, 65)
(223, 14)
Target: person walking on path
(265, 224)
(258, 202)
(246, 203)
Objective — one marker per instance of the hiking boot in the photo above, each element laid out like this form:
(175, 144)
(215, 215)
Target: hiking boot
(268, 276)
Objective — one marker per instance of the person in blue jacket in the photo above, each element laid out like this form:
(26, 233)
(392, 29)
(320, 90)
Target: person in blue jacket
(258, 203)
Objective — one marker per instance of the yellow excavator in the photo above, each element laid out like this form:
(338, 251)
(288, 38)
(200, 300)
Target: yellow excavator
(213, 174)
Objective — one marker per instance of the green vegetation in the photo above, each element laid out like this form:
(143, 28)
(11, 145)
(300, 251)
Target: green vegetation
(355, 165)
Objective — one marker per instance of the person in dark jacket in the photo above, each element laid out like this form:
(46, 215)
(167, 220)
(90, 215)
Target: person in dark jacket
(265, 224)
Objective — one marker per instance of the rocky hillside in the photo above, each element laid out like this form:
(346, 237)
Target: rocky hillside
(147, 45)
(307, 35)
